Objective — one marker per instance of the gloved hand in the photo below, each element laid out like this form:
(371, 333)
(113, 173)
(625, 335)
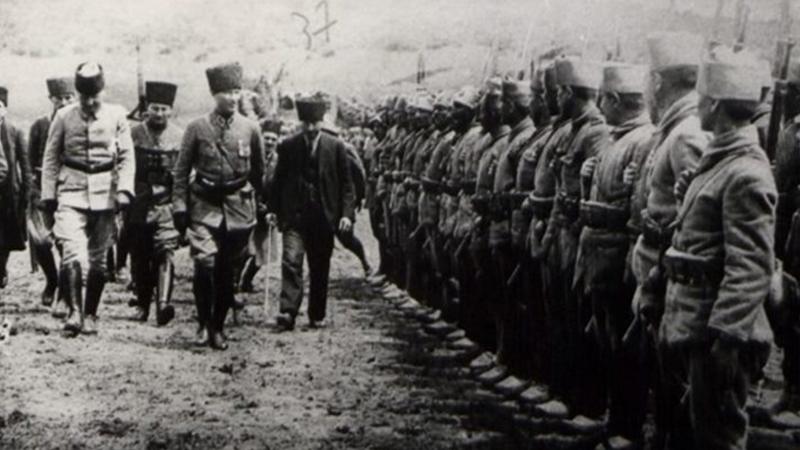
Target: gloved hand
(181, 220)
(122, 201)
(48, 206)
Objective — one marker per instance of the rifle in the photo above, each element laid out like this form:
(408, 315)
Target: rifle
(138, 112)
(742, 15)
(780, 72)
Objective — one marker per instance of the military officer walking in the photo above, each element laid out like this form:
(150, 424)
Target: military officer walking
(61, 93)
(87, 177)
(312, 197)
(149, 220)
(217, 209)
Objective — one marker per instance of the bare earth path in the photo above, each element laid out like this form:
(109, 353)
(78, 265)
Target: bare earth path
(360, 384)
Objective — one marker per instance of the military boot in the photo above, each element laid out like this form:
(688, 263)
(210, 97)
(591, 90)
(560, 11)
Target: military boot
(220, 301)
(74, 297)
(95, 284)
(203, 287)
(164, 311)
(48, 264)
(61, 306)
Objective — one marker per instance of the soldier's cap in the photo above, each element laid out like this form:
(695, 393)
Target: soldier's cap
(793, 75)
(160, 92)
(57, 87)
(624, 78)
(674, 49)
(89, 78)
(443, 100)
(577, 72)
(468, 97)
(726, 75)
(4, 95)
(311, 108)
(517, 91)
(422, 102)
(271, 126)
(493, 87)
(224, 77)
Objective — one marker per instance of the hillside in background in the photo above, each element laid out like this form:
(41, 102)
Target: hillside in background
(374, 45)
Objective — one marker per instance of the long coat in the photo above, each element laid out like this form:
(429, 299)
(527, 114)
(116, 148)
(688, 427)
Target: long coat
(13, 227)
(728, 220)
(336, 188)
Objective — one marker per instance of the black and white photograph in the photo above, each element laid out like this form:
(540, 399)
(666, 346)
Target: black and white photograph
(400, 225)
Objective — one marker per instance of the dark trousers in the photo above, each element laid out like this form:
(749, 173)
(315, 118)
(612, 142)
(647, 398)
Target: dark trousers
(314, 241)
(625, 374)
(502, 307)
(484, 292)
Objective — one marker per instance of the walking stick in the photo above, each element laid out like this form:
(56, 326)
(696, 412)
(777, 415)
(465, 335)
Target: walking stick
(268, 251)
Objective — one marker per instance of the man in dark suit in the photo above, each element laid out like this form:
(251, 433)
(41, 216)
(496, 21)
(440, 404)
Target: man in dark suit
(312, 197)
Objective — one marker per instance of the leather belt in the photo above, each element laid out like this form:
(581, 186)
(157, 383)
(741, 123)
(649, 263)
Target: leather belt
(653, 234)
(468, 187)
(87, 167)
(220, 187)
(692, 270)
(542, 206)
(569, 207)
(603, 216)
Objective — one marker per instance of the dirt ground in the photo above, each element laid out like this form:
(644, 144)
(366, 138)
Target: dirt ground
(360, 384)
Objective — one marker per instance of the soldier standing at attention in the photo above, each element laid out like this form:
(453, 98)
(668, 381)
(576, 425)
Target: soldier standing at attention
(604, 245)
(157, 142)
(721, 259)
(312, 198)
(217, 209)
(87, 177)
(61, 93)
(677, 145)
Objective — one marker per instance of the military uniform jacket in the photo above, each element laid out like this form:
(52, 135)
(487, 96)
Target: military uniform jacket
(725, 224)
(433, 172)
(156, 156)
(524, 183)
(78, 139)
(14, 191)
(222, 152)
(505, 176)
(603, 249)
(680, 144)
(454, 175)
(487, 167)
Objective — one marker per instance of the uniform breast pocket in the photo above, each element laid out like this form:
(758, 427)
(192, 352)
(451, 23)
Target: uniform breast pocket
(207, 152)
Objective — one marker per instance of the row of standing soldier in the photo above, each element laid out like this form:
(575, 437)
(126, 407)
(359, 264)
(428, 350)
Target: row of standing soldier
(605, 231)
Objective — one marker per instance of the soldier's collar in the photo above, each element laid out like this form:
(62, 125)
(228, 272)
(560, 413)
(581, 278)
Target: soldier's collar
(221, 121)
(685, 106)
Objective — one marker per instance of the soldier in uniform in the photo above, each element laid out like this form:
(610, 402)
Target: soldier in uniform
(677, 145)
(517, 116)
(149, 219)
(486, 277)
(218, 207)
(721, 259)
(578, 81)
(529, 304)
(15, 191)
(784, 317)
(312, 198)
(542, 252)
(61, 93)
(604, 245)
(87, 177)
